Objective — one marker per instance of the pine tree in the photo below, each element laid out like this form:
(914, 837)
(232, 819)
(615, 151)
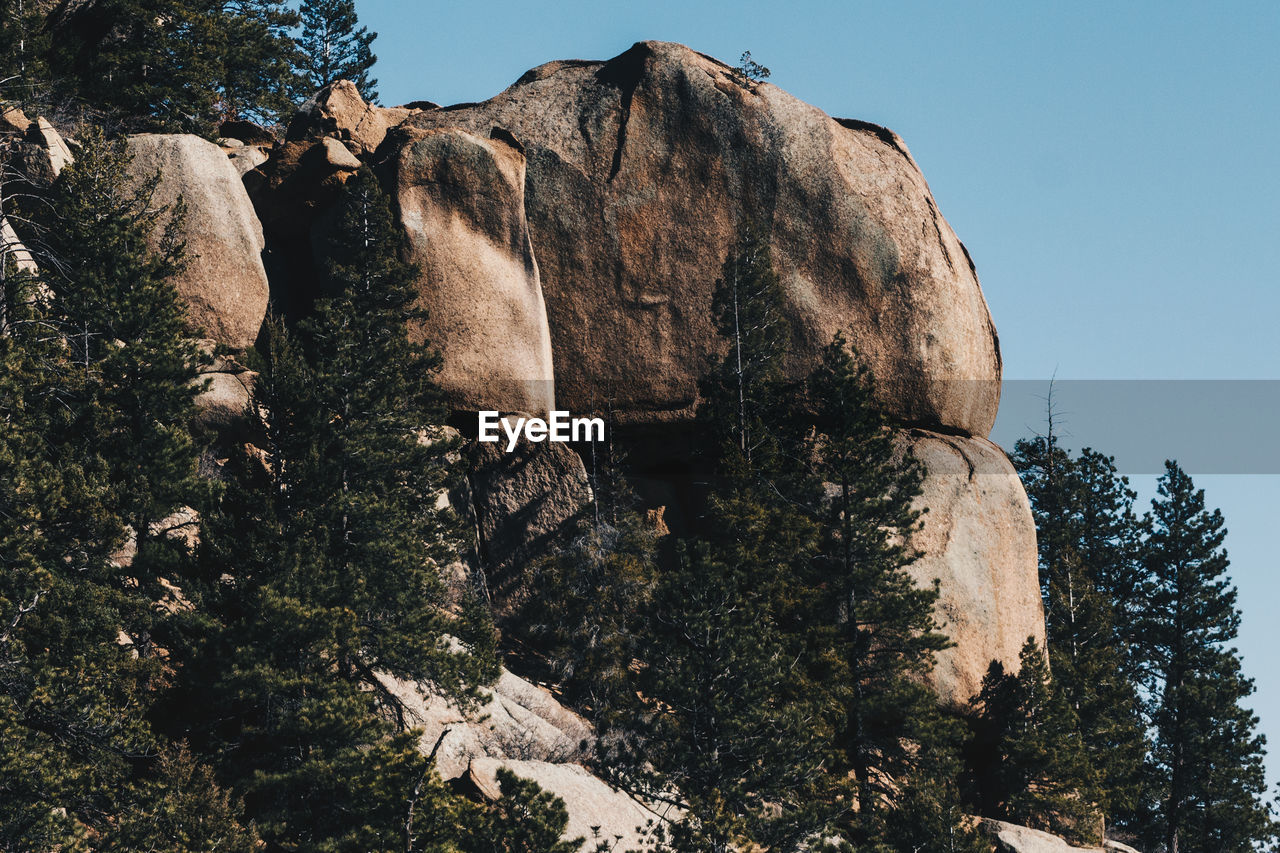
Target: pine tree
(178, 66)
(723, 718)
(321, 571)
(747, 404)
(96, 402)
(869, 629)
(1086, 532)
(1207, 755)
(583, 614)
(1034, 768)
(24, 44)
(333, 48)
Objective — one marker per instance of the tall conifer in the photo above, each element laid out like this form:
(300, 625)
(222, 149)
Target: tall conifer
(332, 47)
(1086, 533)
(1207, 757)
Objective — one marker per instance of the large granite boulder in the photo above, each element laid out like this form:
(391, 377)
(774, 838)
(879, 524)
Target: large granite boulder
(978, 538)
(642, 171)
(461, 199)
(224, 285)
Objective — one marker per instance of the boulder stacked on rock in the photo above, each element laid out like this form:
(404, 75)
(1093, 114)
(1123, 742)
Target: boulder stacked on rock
(643, 169)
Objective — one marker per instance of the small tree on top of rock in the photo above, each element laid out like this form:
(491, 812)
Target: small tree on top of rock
(333, 48)
(749, 72)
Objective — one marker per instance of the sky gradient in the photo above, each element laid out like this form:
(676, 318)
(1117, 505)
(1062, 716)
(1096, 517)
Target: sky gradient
(1112, 169)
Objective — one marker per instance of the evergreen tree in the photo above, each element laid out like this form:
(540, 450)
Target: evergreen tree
(1207, 756)
(747, 405)
(332, 48)
(321, 572)
(24, 44)
(179, 65)
(724, 720)
(95, 401)
(868, 628)
(1033, 767)
(1086, 532)
(583, 616)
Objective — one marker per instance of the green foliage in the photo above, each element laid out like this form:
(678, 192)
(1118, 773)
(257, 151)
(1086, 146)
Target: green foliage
(321, 571)
(24, 44)
(95, 396)
(584, 613)
(749, 428)
(780, 689)
(749, 72)
(525, 819)
(1208, 782)
(1032, 764)
(1087, 535)
(868, 628)
(729, 726)
(182, 810)
(179, 65)
(332, 47)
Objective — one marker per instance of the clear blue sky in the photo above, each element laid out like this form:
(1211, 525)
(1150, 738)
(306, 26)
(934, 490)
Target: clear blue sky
(1112, 168)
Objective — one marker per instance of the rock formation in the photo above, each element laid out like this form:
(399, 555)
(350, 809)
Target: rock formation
(1010, 838)
(569, 233)
(461, 199)
(224, 285)
(644, 168)
(338, 111)
(979, 540)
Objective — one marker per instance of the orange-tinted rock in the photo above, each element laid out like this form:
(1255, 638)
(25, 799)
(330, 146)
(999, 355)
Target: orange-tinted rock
(642, 170)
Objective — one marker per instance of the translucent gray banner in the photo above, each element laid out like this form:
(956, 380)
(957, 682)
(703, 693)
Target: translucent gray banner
(1210, 426)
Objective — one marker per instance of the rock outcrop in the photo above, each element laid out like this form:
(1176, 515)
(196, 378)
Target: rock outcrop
(461, 199)
(597, 811)
(1011, 838)
(641, 172)
(518, 721)
(978, 539)
(338, 111)
(524, 503)
(224, 284)
(223, 404)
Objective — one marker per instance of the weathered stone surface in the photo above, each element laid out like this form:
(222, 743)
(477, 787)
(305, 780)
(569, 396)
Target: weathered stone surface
(224, 405)
(14, 120)
(641, 172)
(524, 502)
(182, 525)
(518, 721)
(41, 155)
(44, 135)
(224, 285)
(337, 110)
(12, 248)
(461, 199)
(246, 158)
(1011, 838)
(337, 155)
(979, 540)
(597, 812)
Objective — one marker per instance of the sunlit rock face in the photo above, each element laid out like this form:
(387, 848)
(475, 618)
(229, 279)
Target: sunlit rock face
(642, 170)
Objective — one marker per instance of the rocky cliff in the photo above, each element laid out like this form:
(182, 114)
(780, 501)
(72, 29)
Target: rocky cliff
(569, 233)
